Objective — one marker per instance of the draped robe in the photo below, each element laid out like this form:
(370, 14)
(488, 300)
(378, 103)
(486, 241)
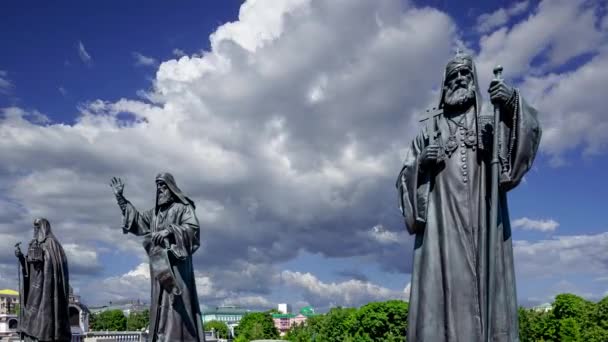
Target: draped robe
(44, 312)
(447, 208)
(172, 317)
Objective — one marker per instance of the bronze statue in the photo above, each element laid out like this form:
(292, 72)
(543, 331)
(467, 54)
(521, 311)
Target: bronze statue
(463, 285)
(44, 314)
(171, 235)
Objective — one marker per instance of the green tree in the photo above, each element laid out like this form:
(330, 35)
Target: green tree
(111, 320)
(601, 313)
(569, 330)
(220, 328)
(256, 325)
(379, 321)
(547, 326)
(594, 333)
(241, 339)
(567, 305)
(332, 327)
(300, 333)
(138, 320)
(307, 331)
(525, 324)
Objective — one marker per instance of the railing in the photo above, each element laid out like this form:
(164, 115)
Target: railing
(93, 336)
(113, 336)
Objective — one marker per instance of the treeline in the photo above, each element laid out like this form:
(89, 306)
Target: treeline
(115, 320)
(571, 319)
(375, 321)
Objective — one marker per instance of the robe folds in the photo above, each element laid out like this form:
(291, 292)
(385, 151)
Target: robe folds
(172, 317)
(447, 207)
(44, 312)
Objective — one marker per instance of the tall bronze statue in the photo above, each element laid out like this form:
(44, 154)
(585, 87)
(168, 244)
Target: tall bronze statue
(171, 235)
(44, 314)
(463, 282)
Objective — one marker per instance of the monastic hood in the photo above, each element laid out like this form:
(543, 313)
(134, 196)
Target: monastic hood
(177, 192)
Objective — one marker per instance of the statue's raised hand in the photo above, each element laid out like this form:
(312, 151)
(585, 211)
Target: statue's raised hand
(117, 185)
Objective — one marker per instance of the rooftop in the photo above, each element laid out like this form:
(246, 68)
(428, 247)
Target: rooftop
(282, 315)
(8, 292)
(226, 310)
(306, 311)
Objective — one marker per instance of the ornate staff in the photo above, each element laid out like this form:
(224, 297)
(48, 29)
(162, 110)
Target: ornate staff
(495, 164)
(19, 268)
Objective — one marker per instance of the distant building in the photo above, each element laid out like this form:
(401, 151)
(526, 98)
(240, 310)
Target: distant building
(9, 320)
(229, 314)
(78, 313)
(9, 300)
(543, 307)
(8, 325)
(126, 306)
(284, 321)
(226, 314)
(284, 308)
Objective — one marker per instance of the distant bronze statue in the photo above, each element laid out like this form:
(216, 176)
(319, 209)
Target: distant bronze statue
(45, 288)
(452, 183)
(171, 235)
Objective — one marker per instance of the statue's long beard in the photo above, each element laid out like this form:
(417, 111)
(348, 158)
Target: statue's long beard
(460, 96)
(164, 197)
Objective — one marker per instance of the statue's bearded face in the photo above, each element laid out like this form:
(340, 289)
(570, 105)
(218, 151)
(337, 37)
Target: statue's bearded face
(459, 88)
(36, 228)
(163, 193)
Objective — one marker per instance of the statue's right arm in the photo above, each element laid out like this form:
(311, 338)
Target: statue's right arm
(134, 221)
(122, 202)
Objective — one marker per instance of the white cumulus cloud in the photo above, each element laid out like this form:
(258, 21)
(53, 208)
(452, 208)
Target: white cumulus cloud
(488, 21)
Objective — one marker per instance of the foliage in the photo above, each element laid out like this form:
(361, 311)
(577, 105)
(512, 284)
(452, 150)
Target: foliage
(379, 321)
(569, 330)
(332, 328)
(571, 319)
(138, 320)
(376, 321)
(220, 328)
(567, 305)
(256, 325)
(110, 320)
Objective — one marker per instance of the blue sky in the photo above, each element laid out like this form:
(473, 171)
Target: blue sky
(286, 122)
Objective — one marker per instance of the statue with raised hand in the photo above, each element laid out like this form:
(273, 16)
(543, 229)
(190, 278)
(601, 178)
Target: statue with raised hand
(171, 235)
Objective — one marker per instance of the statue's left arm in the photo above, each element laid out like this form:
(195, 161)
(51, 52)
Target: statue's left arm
(520, 135)
(185, 233)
